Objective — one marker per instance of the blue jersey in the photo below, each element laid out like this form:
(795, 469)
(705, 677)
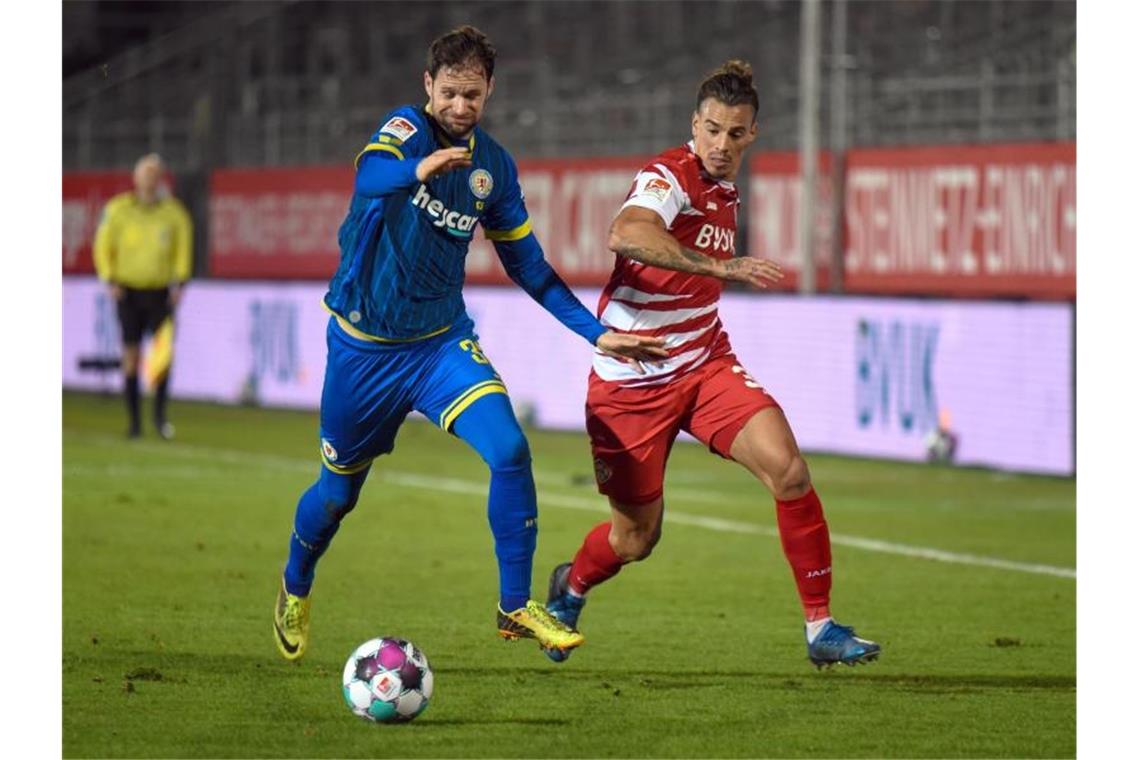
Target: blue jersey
(403, 252)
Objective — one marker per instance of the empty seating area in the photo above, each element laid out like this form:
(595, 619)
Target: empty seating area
(294, 83)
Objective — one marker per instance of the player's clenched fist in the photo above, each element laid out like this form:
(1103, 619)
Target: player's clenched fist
(756, 272)
(441, 162)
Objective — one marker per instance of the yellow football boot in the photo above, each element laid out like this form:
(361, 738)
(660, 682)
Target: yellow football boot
(534, 622)
(291, 624)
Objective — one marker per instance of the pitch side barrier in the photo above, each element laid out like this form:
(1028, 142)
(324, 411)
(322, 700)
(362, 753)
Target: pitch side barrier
(974, 382)
(955, 221)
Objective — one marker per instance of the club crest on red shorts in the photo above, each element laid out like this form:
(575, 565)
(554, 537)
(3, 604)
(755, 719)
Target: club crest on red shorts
(602, 471)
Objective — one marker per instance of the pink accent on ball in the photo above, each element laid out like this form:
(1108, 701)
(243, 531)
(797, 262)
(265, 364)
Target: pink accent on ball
(391, 655)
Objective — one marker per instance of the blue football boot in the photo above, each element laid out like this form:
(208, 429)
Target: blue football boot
(563, 605)
(838, 643)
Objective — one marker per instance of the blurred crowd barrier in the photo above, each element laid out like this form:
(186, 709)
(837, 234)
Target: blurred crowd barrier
(975, 221)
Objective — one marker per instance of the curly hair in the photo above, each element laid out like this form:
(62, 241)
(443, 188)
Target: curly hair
(462, 48)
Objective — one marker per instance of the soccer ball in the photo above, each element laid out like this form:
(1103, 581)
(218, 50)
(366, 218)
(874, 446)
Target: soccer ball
(387, 680)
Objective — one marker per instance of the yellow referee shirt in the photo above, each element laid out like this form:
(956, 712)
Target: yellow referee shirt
(143, 246)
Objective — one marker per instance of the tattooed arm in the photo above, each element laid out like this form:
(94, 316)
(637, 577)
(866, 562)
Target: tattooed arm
(640, 234)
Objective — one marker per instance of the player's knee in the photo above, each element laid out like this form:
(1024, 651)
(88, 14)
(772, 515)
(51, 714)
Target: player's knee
(490, 428)
(130, 360)
(339, 493)
(792, 480)
(510, 451)
(636, 544)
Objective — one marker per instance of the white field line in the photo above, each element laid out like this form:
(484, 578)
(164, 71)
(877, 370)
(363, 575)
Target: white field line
(565, 501)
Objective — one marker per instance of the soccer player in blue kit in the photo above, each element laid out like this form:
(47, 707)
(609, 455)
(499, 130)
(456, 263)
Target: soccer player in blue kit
(400, 339)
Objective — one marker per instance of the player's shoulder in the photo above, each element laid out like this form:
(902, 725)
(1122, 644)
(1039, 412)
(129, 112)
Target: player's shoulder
(492, 149)
(679, 161)
(172, 205)
(401, 124)
(118, 202)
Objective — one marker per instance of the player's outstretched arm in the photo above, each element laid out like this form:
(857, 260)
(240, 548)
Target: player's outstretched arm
(639, 234)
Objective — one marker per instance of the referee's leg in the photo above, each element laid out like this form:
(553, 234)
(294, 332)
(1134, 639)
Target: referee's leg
(131, 324)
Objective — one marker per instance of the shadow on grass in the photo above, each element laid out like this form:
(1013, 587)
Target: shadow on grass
(428, 723)
(177, 666)
(837, 677)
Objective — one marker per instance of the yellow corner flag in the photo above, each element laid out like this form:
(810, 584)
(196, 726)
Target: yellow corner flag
(161, 353)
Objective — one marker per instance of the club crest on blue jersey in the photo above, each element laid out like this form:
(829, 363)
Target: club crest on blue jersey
(328, 450)
(481, 183)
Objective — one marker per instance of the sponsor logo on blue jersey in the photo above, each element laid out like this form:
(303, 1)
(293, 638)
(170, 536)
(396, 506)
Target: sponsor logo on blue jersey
(455, 222)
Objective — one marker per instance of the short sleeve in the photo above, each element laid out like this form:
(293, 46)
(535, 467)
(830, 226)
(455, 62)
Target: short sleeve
(657, 189)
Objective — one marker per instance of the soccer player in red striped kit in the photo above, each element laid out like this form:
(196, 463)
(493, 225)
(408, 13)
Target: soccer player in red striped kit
(674, 237)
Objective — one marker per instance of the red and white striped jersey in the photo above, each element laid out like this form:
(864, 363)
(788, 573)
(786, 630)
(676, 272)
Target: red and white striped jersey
(700, 212)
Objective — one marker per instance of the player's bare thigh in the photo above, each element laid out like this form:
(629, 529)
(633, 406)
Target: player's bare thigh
(635, 528)
(767, 447)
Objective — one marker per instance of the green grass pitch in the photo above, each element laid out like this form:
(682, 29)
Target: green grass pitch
(172, 554)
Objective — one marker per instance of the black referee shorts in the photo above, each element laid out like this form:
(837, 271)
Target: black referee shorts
(142, 311)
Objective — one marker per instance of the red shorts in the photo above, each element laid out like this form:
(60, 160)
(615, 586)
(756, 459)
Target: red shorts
(632, 429)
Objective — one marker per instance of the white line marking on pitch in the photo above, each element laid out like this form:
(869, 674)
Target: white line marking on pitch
(565, 501)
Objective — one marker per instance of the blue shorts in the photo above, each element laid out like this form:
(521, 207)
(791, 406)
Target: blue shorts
(370, 387)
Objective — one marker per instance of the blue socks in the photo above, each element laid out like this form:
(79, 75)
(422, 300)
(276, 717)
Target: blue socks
(319, 512)
(490, 427)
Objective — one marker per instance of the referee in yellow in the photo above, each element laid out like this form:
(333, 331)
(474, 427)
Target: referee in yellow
(143, 251)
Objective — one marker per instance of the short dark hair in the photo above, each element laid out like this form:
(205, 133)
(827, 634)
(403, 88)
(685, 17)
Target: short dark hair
(460, 49)
(730, 84)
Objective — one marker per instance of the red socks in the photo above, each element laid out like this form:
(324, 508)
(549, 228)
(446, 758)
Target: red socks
(803, 534)
(807, 545)
(595, 562)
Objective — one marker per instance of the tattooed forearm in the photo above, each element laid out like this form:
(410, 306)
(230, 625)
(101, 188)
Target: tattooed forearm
(675, 257)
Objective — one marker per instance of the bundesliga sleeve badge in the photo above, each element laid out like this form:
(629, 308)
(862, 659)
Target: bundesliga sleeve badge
(399, 127)
(658, 188)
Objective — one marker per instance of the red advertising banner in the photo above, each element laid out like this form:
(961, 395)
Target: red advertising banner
(277, 223)
(571, 205)
(992, 220)
(774, 197)
(986, 220)
(282, 223)
(84, 195)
